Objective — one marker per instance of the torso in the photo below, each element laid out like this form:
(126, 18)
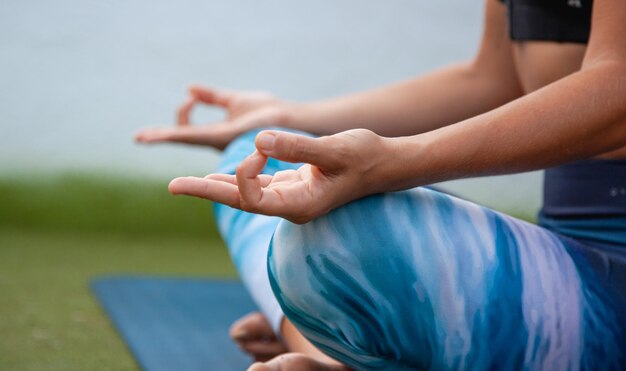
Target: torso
(540, 63)
(549, 38)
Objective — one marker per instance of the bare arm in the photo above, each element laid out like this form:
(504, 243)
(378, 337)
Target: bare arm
(577, 117)
(428, 102)
(422, 104)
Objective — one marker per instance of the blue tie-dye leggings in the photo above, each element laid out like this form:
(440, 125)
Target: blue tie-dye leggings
(423, 280)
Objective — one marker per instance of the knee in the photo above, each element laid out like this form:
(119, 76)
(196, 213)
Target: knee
(365, 242)
(305, 260)
(338, 279)
(358, 248)
(370, 279)
(290, 262)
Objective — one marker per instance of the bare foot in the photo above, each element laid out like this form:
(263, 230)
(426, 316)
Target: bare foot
(255, 336)
(296, 362)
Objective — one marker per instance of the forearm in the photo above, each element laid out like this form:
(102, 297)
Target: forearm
(419, 105)
(578, 117)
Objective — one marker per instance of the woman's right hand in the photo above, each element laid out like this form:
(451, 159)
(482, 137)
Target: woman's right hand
(245, 111)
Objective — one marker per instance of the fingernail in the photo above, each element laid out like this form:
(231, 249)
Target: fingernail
(265, 141)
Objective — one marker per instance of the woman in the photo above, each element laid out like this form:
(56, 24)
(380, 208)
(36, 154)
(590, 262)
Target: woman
(419, 279)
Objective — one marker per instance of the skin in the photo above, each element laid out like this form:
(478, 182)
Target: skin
(254, 335)
(517, 106)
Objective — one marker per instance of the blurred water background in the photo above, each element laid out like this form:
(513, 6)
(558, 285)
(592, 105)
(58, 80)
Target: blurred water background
(78, 78)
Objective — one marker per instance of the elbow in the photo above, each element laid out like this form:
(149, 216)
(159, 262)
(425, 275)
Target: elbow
(608, 62)
(609, 100)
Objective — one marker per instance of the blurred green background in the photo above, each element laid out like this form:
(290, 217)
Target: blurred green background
(58, 232)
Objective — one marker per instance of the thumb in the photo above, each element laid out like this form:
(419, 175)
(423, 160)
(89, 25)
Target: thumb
(210, 95)
(295, 148)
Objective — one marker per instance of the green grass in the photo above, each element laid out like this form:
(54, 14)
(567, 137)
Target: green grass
(104, 204)
(58, 233)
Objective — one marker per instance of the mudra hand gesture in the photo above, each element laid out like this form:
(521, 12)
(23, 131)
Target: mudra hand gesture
(337, 169)
(245, 111)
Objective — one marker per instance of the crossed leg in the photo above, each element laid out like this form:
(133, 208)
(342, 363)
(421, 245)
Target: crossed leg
(423, 280)
(420, 279)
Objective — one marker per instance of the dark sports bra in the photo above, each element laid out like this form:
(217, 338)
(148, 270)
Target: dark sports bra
(550, 20)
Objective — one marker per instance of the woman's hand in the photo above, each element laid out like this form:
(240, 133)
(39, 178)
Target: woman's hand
(337, 170)
(245, 111)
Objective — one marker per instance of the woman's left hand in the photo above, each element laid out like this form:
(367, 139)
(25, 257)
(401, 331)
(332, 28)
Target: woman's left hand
(338, 169)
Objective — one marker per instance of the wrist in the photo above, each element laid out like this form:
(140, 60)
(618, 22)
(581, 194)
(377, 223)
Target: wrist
(310, 117)
(386, 167)
(406, 162)
(291, 114)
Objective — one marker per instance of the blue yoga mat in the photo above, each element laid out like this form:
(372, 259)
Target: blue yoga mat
(176, 324)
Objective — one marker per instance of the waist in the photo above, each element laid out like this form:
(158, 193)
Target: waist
(585, 188)
(601, 231)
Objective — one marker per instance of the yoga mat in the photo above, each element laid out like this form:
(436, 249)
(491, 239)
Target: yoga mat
(174, 323)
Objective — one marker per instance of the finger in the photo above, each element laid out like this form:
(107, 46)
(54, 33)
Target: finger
(184, 111)
(154, 135)
(259, 366)
(263, 358)
(295, 148)
(247, 179)
(210, 96)
(263, 348)
(294, 361)
(252, 326)
(232, 179)
(221, 192)
(216, 135)
(187, 134)
(228, 178)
